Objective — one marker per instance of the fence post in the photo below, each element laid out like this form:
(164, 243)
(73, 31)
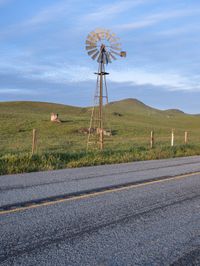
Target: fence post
(186, 137)
(34, 141)
(152, 139)
(172, 138)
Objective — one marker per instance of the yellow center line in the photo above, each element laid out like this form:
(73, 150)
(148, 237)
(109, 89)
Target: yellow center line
(94, 194)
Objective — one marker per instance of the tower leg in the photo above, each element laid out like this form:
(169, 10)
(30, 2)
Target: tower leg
(96, 129)
(101, 140)
(101, 108)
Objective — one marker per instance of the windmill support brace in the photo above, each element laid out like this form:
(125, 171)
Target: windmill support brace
(97, 114)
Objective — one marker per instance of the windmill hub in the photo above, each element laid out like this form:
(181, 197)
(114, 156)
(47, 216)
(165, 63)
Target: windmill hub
(103, 46)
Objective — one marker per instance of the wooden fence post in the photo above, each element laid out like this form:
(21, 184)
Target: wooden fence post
(34, 141)
(152, 139)
(186, 137)
(172, 138)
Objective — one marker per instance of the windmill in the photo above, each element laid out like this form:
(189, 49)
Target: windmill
(104, 47)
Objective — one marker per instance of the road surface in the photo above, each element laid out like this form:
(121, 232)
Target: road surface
(142, 213)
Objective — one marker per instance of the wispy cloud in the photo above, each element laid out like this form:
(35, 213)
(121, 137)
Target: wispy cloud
(46, 15)
(171, 81)
(17, 91)
(150, 20)
(111, 10)
(185, 29)
(54, 73)
(68, 73)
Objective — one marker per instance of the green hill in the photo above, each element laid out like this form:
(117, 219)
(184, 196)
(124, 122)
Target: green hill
(130, 120)
(132, 105)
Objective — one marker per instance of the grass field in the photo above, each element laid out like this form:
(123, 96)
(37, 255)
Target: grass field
(130, 120)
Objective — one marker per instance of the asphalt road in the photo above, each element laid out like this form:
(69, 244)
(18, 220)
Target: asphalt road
(143, 213)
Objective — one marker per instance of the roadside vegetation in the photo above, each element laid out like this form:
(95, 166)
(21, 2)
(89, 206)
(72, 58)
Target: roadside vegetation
(24, 162)
(62, 145)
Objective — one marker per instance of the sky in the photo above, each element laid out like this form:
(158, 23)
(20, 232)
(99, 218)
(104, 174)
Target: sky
(43, 57)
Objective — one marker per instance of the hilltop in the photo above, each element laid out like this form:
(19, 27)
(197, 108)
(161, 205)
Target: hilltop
(133, 105)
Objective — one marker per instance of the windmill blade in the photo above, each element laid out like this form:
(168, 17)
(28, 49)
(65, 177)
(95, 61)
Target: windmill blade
(113, 40)
(107, 34)
(92, 52)
(112, 56)
(90, 43)
(116, 44)
(109, 37)
(91, 38)
(95, 55)
(99, 36)
(93, 33)
(101, 32)
(113, 52)
(91, 47)
(103, 35)
(113, 35)
(116, 48)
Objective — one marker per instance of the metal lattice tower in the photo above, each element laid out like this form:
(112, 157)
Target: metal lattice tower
(103, 46)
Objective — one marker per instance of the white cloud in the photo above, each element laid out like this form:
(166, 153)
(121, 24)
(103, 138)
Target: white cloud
(77, 73)
(68, 73)
(171, 81)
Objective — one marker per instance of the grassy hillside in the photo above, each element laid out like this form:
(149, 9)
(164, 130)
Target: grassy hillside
(130, 119)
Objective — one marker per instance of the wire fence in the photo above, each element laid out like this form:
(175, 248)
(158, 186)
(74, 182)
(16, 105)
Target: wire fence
(36, 141)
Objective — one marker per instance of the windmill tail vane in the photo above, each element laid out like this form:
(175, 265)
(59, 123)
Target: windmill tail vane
(104, 47)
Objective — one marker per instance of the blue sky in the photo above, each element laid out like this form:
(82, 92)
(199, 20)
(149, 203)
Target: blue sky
(43, 57)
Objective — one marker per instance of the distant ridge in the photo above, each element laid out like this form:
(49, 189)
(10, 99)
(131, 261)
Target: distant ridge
(128, 105)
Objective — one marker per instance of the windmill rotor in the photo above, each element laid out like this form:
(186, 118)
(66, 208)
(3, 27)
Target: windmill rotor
(103, 45)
